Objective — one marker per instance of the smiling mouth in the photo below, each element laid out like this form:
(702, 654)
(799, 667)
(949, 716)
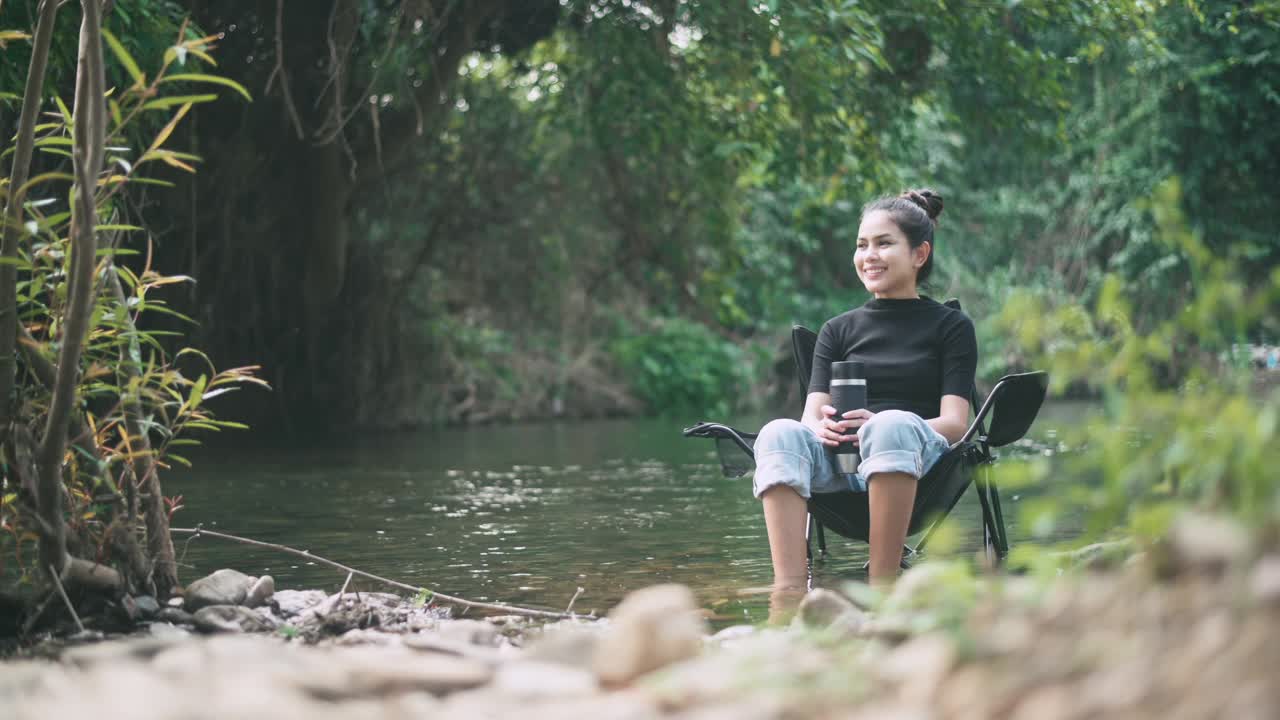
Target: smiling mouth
(872, 271)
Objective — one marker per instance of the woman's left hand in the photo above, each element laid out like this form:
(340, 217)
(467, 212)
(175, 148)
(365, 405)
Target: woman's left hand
(855, 419)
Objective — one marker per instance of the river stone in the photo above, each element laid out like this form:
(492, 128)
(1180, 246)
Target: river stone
(823, 608)
(260, 592)
(1200, 541)
(167, 631)
(475, 632)
(917, 588)
(429, 641)
(146, 606)
(1265, 581)
(293, 602)
(650, 628)
(367, 637)
(375, 672)
(116, 651)
(567, 645)
(532, 679)
(224, 587)
(231, 618)
(175, 616)
(919, 666)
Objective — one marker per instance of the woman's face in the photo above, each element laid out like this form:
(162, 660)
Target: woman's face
(885, 261)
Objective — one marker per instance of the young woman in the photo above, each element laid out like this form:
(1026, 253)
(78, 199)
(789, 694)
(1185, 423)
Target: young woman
(920, 357)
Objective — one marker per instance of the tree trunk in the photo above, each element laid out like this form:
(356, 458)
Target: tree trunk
(31, 101)
(88, 138)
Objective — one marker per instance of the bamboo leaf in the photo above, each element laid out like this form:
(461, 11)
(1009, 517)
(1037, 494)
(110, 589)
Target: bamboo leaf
(62, 108)
(43, 177)
(215, 79)
(203, 56)
(219, 391)
(168, 102)
(197, 393)
(151, 181)
(169, 159)
(125, 58)
(167, 130)
(179, 458)
(7, 36)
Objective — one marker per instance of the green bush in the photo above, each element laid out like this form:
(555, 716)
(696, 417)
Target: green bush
(1183, 421)
(681, 366)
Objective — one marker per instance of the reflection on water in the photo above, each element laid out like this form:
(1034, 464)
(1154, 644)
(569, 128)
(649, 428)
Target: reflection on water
(524, 514)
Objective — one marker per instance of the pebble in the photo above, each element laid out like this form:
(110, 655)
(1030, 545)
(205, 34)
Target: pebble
(223, 587)
(1111, 647)
(650, 628)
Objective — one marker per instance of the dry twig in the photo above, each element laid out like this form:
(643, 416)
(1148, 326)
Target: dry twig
(500, 607)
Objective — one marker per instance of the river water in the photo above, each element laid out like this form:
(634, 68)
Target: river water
(524, 514)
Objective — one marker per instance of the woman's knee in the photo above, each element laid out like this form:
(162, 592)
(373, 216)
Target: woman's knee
(783, 434)
(896, 427)
(784, 457)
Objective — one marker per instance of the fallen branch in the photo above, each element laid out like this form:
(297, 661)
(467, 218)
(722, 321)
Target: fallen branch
(62, 591)
(502, 607)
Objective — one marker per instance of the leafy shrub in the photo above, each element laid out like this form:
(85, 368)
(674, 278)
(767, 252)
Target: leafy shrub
(1183, 421)
(683, 366)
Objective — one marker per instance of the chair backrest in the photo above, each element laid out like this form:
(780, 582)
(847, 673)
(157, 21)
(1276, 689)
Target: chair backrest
(803, 340)
(1013, 403)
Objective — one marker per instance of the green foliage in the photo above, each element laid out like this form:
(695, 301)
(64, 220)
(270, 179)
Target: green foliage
(1184, 420)
(680, 366)
(132, 381)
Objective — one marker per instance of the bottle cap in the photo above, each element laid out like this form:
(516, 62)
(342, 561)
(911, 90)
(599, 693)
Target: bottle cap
(848, 370)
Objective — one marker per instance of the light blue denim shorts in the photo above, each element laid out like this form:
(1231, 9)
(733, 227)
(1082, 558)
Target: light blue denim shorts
(789, 453)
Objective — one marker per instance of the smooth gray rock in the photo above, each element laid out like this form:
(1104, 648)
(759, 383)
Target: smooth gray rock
(381, 671)
(224, 587)
(651, 628)
(116, 651)
(1265, 581)
(146, 606)
(175, 616)
(167, 631)
(475, 632)
(823, 608)
(294, 602)
(531, 679)
(569, 645)
(231, 618)
(260, 592)
(1201, 541)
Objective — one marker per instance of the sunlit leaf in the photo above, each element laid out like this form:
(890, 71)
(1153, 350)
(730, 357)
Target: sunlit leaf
(168, 102)
(125, 58)
(214, 79)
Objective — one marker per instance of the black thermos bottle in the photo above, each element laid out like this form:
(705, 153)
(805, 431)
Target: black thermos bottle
(848, 392)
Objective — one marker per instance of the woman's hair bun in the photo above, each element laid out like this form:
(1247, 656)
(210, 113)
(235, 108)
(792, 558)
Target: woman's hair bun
(928, 200)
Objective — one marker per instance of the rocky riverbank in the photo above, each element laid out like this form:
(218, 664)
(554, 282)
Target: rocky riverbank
(1188, 629)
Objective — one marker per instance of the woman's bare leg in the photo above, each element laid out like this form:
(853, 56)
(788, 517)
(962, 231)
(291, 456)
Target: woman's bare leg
(890, 497)
(785, 515)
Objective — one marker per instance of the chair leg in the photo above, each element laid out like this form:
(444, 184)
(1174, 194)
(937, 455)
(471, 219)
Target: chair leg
(992, 522)
(822, 539)
(1002, 533)
(808, 533)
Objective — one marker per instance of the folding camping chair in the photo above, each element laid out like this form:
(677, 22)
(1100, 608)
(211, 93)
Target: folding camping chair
(1011, 406)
